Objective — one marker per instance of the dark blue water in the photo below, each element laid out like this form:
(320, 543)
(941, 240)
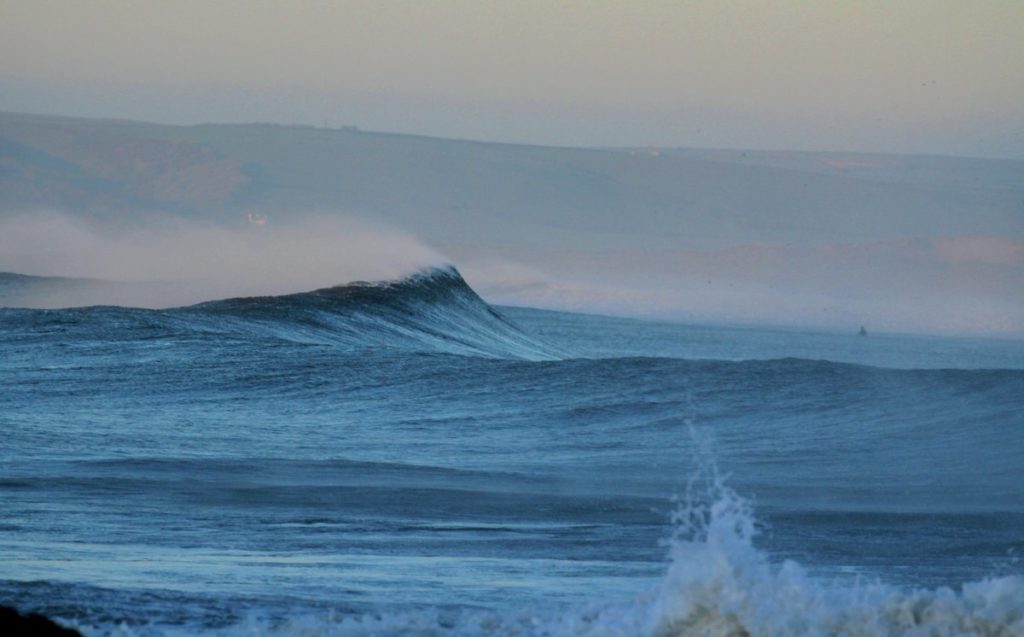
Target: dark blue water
(404, 459)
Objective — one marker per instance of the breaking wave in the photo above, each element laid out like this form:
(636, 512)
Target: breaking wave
(433, 310)
(717, 583)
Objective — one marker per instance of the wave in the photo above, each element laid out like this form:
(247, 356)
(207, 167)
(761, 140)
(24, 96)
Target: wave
(433, 310)
(717, 583)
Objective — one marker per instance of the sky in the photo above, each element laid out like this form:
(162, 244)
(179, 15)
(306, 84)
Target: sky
(934, 77)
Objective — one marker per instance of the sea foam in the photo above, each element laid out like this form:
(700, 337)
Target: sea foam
(717, 583)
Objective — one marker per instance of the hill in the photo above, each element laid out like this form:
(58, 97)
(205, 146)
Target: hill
(452, 192)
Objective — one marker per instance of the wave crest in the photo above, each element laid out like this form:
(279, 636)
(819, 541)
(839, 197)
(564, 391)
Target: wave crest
(718, 583)
(432, 310)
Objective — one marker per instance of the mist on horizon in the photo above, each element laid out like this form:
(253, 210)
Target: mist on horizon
(955, 285)
(952, 285)
(173, 262)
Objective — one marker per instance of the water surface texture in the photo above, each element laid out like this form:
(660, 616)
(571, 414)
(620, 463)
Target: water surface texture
(403, 459)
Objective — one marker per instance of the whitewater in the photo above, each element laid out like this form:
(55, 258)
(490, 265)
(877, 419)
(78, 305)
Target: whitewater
(401, 458)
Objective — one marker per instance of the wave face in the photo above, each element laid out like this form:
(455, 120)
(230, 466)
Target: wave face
(433, 310)
(401, 459)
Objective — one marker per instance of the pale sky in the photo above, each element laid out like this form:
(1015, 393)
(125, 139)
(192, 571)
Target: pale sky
(908, 76)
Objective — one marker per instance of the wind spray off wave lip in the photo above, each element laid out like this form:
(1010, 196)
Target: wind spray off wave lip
(401, 458)
(167, 262)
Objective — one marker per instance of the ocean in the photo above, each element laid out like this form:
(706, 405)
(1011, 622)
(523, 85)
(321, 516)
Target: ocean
(403, 459)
